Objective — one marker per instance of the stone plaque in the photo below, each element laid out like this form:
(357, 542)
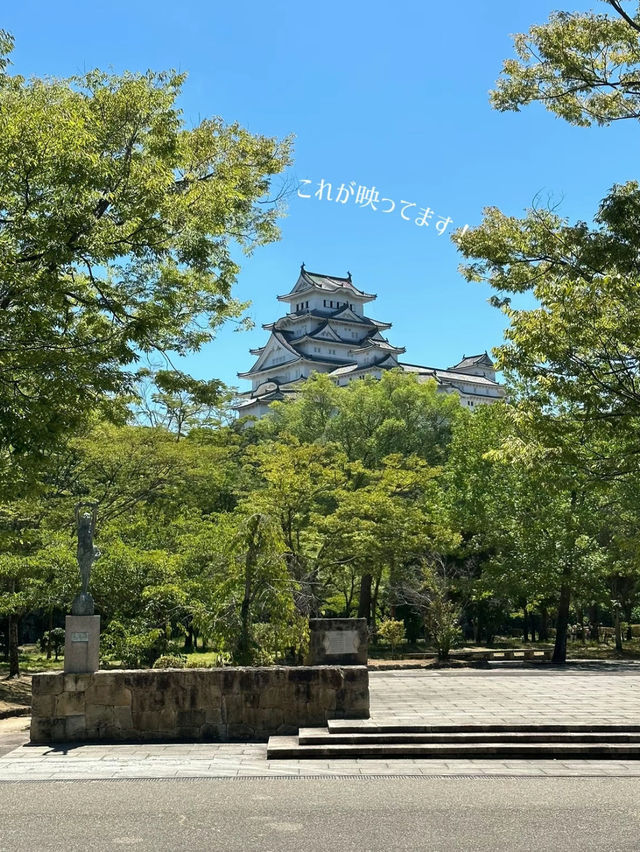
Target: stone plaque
(340, 642)
(82, 644)
(337, 642)
(80, 637)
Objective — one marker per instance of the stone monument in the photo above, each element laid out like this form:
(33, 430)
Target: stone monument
(338, 642)
(82, 627)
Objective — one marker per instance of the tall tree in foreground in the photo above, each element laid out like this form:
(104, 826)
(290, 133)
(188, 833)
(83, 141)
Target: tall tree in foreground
(116, 225)
(575, 356)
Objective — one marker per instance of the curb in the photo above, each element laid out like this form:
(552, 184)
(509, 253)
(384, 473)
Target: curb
(15, 711)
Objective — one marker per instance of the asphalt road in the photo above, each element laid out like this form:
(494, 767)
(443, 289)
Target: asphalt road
(434, 814)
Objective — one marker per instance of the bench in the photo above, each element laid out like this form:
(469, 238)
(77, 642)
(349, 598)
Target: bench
(505, 654)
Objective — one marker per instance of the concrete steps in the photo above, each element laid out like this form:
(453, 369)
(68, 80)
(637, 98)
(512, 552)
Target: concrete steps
(322, 736)
(365, 726)
(358, 739)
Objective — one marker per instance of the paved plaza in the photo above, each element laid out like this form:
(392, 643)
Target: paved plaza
(588, 694)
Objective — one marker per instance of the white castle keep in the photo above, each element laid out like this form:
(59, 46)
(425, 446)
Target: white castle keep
(326, 331)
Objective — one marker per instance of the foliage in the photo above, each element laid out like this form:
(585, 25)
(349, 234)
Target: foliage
(170, 661)
(200, 661)
(572, 358)
(581, 66)
(392, 632)
(134, 650)
(443, 620)
(372, 418)
(54, 639)
(117, 230)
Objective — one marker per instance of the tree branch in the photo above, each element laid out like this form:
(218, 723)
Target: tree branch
(617, 5)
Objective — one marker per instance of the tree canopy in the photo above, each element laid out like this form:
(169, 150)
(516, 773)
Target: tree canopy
(116, 228)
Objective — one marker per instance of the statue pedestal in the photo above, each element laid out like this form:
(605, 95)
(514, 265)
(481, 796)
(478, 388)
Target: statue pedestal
(82, 644)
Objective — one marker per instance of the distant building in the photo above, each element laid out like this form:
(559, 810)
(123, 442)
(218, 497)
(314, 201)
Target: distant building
(326, 331)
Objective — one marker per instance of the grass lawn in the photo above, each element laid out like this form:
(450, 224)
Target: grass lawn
(15, 693)
(32, 659)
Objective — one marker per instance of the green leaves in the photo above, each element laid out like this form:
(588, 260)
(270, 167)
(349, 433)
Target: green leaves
(584, 67)
(116, 229)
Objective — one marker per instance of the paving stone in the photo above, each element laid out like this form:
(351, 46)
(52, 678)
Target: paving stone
(605, 695)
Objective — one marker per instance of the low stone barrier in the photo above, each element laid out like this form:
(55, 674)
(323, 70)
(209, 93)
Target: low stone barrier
(246, 704)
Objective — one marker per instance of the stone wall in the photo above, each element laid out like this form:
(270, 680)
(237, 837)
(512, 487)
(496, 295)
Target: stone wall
(247, 704)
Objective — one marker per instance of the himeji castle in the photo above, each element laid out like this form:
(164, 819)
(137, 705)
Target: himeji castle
(325, 330)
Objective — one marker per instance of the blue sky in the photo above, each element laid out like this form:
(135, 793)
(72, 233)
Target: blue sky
(391, 96)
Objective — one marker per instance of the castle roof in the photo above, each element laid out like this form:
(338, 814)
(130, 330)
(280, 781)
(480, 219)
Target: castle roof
(384, 363)
(300, 357)
(449, 375)
(482, 360)
(344, 314)
(313, 281)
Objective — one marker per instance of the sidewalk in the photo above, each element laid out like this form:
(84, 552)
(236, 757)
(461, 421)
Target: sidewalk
(594, 694)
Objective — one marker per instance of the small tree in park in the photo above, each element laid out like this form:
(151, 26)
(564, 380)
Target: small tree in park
(53, 640)
(392, 631)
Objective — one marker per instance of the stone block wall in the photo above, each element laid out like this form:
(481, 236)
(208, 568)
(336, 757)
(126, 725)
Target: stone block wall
(246, 704)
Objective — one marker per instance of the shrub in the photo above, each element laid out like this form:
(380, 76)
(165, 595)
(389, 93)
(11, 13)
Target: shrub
(444, 621)
(133, 646)
(219, 661)
(54, 640)
(392, 632)
(170, 661)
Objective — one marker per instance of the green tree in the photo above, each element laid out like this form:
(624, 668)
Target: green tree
(296, 485)
(371, 419)
(243, 582)
(578, 346)
(116, 228)
(384, 523)
(392, 631)
(528, 515)
(572, 359)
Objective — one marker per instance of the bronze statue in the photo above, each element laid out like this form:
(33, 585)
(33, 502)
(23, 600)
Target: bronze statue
(87, 554)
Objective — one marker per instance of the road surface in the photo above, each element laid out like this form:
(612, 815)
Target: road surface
(340, 814)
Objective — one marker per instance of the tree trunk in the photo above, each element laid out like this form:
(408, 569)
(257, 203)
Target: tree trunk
(618, 628)
(49, 635)
(392, 590)
(188, 641)
(616, 622)
(364, 604)
(562, 621)
(525, 624)
(244, 650)
(14, 662)
(627, 610)
(374, 604)
(594, 621)
(543, 633)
